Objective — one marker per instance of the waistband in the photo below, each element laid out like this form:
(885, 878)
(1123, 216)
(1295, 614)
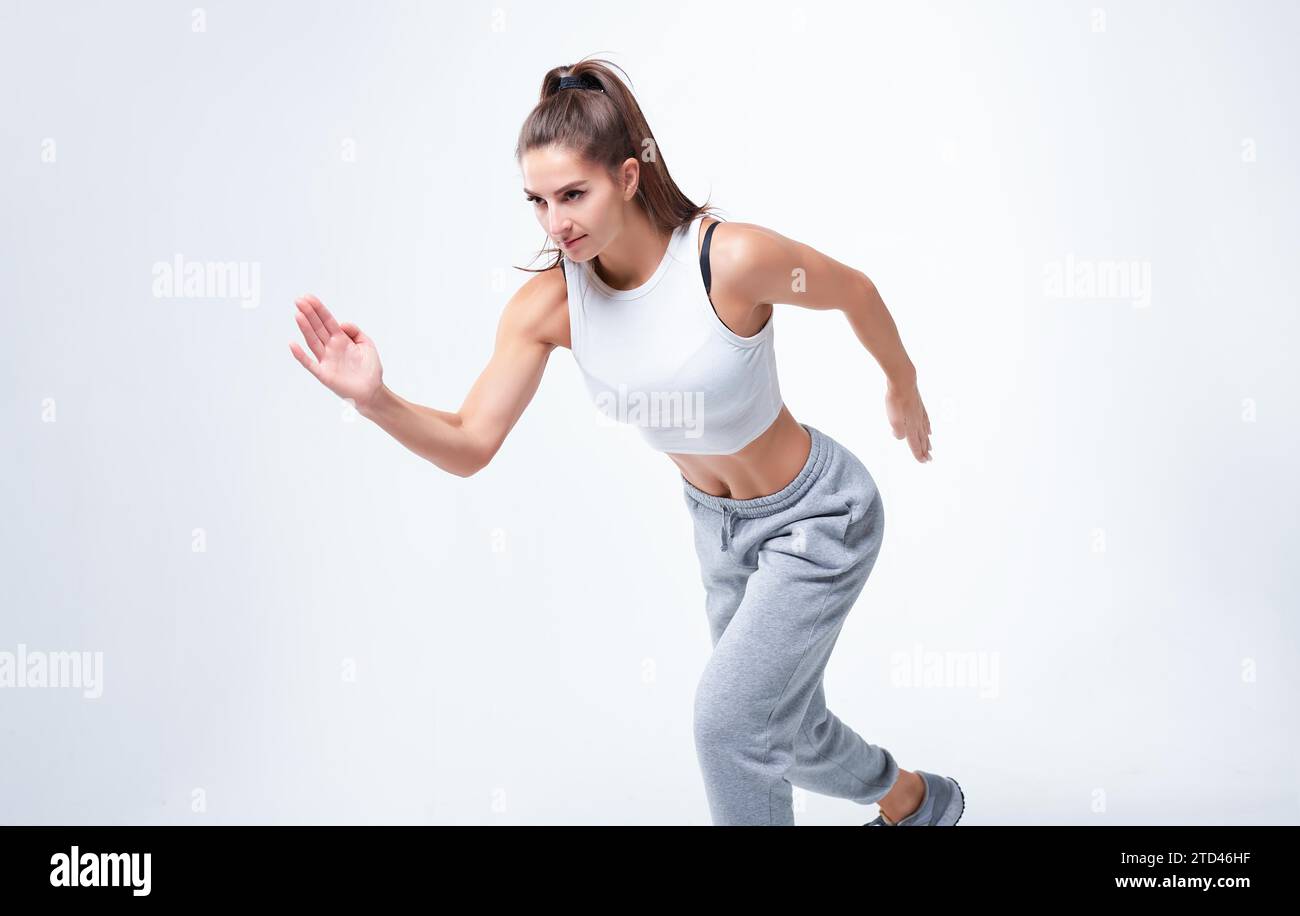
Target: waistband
(818, 457)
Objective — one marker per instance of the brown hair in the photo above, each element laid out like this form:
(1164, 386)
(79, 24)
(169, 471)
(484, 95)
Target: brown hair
(602, 123)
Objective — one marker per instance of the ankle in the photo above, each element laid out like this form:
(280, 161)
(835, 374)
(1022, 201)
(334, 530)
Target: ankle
(905, 799)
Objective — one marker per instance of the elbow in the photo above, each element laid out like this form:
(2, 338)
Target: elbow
(472, 461)
(468, 455)
(467, 468)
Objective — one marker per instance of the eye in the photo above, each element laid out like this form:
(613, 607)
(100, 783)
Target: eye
(537, 200)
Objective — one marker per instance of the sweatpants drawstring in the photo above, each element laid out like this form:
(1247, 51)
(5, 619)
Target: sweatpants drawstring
(728, 522)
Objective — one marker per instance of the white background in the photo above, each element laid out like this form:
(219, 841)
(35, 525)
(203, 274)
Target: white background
(1108, 525)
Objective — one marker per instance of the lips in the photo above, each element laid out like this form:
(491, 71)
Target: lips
(571, 242)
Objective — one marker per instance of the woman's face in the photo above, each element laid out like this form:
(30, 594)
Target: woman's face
(577, 202)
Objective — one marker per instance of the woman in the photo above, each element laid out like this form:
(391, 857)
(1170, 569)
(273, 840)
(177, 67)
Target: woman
(669, 317)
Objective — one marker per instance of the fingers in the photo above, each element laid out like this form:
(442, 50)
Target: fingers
(302, 358)
(309, 334)
(920, 443)
(331, 326)
(914, 441)
(354, 332)
(923, 435)
(314, 322)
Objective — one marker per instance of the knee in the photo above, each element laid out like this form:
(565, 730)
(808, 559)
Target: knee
(721, 717)
(711, 722)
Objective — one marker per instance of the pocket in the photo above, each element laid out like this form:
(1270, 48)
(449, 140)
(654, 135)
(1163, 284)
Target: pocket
(867, 528)
(831, 524)
(849, 519)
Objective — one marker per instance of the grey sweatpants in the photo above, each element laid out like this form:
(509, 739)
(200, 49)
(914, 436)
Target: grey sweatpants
(781, 573)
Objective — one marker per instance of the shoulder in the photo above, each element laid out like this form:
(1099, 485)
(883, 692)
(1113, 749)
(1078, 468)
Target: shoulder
(744, 257)
(738, 241)
(539, 310)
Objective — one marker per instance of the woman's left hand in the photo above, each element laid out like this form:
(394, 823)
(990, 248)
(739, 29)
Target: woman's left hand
(908, 418)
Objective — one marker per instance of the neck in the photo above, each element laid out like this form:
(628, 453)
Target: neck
(633, 256)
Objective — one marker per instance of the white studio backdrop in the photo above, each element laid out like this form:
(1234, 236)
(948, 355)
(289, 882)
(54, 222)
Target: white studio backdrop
(1082, 215)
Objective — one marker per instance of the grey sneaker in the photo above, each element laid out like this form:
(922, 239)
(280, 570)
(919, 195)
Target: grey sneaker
(941, 806)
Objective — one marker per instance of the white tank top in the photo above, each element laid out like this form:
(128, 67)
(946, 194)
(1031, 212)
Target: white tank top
(659, 358)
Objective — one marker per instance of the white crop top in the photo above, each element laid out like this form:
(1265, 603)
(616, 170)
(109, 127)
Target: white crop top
(658, 357)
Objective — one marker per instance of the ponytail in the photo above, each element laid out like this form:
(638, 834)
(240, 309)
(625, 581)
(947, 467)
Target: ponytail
(587, 109)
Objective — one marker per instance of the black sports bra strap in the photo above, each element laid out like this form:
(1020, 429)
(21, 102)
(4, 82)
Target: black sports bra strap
(704, 256)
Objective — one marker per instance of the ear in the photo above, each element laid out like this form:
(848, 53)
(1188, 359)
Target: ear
(629, 177)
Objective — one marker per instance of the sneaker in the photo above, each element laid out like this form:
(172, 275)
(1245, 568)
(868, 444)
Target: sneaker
(940, 806)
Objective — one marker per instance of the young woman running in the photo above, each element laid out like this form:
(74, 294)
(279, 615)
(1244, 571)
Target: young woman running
(669, 317)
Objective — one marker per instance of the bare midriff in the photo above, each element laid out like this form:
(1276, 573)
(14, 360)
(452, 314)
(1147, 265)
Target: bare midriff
(763, 467)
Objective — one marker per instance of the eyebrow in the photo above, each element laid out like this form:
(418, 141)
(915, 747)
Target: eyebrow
(571, 184)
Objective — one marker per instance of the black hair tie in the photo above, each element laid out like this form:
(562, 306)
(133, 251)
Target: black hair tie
(576, 82)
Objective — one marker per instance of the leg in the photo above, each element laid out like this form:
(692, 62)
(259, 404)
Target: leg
(829, 756)
(761, 720)
(832, 759)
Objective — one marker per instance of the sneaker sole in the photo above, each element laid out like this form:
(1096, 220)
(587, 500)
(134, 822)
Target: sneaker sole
(961, 795)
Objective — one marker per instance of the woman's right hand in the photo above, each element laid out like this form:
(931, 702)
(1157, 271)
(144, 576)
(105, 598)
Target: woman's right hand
(347, 362)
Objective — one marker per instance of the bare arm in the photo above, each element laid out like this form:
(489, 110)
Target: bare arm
(766, 267)
(463, 442)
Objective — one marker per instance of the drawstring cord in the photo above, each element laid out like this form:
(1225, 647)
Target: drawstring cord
(728, 523)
